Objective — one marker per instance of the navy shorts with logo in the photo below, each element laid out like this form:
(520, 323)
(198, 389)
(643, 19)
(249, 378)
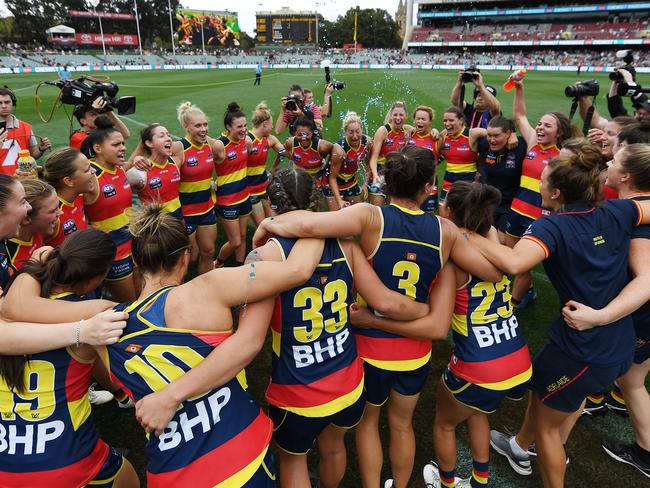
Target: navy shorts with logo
(562, 383)
(379, 382)
(642, 350)
(500, 216)
(477, 397)
(265, 475)
(296, 434)
(192, 222)
(517, 224)
(353, 191)
(120, 269)
(233, 212)
(109, 471)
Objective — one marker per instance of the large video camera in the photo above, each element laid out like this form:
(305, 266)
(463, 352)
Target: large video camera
(589, 88)
(628, 58)
(470, 74)
(84, 91)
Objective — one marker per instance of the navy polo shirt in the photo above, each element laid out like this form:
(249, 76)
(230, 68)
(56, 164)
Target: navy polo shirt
(587, 251)
(502, 170)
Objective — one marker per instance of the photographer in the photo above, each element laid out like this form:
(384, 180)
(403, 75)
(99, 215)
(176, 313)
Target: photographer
(615, 106)
(324, 110)
(16, 135)
(294, 107)
(485, 105)
(86, 116)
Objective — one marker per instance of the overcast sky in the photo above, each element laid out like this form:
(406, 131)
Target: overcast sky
(330, 9)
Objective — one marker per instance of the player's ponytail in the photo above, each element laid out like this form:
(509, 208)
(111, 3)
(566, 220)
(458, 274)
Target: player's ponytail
(578, 176)
(84, 256)
(261, 114)
(59, 165)
(351, 118)
(185, 111)
(233, 112)
(408, 170)
(105, 128)
(293, 189)
(472, 205)
(158, 239)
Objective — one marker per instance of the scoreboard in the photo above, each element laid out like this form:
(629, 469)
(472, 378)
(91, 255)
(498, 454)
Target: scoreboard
(286, 29)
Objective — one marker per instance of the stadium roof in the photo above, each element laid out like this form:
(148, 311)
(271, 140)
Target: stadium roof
(447, 2)
(286, 11)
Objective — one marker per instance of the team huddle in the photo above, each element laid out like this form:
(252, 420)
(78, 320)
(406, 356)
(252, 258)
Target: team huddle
(360, 259)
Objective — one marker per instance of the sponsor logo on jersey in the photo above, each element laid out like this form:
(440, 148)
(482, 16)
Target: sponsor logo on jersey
(109, 191)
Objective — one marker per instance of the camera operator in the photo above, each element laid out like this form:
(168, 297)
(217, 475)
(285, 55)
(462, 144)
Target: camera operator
(294, 107)
(86, 116)
(16, 135)
(615, 106)
(485, 105)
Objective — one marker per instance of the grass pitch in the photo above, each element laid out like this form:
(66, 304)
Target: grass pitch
(369, 93)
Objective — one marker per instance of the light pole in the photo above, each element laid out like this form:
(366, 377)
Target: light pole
(316, 26)
(171, 28)
(94, 4)
(137, 26)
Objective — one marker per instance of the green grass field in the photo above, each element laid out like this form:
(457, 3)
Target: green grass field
(368, 92)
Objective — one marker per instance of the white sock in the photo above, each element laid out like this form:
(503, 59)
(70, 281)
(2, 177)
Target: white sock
(516, 449)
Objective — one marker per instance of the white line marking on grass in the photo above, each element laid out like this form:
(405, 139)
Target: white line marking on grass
(216, 83)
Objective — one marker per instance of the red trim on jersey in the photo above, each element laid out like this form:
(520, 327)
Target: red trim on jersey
(222, 462)
(493, 371)
(77, 474)
(392, 348)
(77, 379)
(316, 393)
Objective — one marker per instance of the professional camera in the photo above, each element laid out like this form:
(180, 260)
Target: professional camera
(338, 85)
(84, 91)
(628, 58)
(470, 74)
(589, 88)
(293, 102)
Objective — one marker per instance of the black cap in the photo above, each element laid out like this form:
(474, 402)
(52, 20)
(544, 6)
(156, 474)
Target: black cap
(644, 105)
(80, 111)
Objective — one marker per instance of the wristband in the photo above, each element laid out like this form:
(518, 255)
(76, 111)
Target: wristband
(77, 334)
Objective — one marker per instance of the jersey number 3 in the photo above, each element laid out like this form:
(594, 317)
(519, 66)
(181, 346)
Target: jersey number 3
(334, 293)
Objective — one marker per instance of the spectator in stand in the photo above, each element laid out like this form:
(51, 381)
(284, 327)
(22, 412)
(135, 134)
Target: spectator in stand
(16, 135)
(485, 105)
(86, 116)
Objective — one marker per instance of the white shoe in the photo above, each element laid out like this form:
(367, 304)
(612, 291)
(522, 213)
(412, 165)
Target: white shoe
(388, 483)
(98, 396)
(431, 475)
(126, 403)
(466, 483)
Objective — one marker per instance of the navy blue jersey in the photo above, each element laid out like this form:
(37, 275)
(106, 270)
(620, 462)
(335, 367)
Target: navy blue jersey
(587, 253)
(316, 371)
(641, 317)
(7, 269)
(502, 170)
(407, 260)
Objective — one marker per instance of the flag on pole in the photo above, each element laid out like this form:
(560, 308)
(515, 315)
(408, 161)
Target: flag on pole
(355, 28)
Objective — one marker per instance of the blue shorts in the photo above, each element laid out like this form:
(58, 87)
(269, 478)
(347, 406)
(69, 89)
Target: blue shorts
(233, 212)
(477, 397)
(265, 475)
(642, 350)
(296, 434)
(430, 205)
(500, 216)
(379, 382)
(562, 383)
(120, 269)
(450, 178)
(192, 222)
(109, 471)
(255, 199)
(380, 187)
(353, 191)
(517, 224)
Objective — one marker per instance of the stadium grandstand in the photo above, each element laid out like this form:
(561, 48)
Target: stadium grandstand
(515, 27)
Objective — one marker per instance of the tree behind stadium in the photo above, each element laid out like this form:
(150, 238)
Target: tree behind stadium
(375, 29)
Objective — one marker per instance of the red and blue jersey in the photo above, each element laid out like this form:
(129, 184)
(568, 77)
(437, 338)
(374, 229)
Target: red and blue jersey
(347, 177)
(162, 185)
(7, 269)
(528, 200)
(316, 371)
(587, 251)
(218, 437)
(71, 220)
(308, 159)
(48, 432)
(256, 168)
(461, 160)
(395, 140)
(489, 348)
(111, 211)
(641, 317)
(196, 194)
(407, 259)
(426, 141)
(21, 251)
(232, 186)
